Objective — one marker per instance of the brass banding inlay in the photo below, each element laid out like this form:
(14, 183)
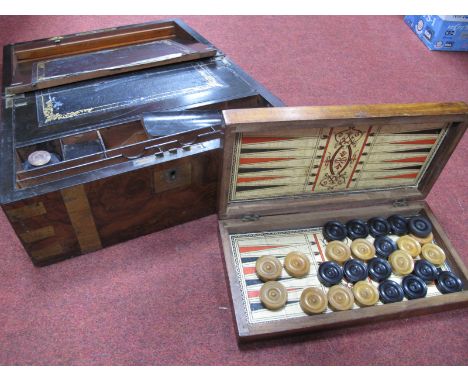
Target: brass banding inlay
(26, 212)
(37, 234)
(81, 217)
(47, 252)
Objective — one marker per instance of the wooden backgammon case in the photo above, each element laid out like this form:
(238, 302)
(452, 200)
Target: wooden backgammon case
(288, 171)
(107, 169)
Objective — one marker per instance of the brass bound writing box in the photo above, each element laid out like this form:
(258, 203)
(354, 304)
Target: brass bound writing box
(288, 171)
(84, 162)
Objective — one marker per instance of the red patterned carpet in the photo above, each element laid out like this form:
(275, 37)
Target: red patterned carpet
(162, 299)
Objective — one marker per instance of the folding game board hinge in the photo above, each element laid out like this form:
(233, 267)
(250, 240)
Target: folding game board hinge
(250, 218)
(400, 203)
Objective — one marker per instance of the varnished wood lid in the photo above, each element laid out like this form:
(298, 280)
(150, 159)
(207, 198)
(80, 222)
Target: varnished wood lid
(294, 159)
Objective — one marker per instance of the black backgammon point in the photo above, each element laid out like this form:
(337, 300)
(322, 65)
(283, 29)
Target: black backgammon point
(379, 269)
(378, 227)
(398, 224)
(384, 246)
(448, 282)
(425, 270)
(390, 291)
(330, 273)
(357, 229)
(334, 230)
(354, 271)
(419, 226)
(414, 287)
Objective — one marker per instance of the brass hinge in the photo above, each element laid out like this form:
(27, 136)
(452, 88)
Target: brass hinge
(16, 100)
(400, 203)
(9, 100)
(250, 218)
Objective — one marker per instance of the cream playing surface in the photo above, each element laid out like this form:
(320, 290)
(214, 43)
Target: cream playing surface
(333, 159)
(246, 249)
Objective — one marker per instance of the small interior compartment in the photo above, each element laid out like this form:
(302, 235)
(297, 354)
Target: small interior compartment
(239, 103)
(81, 145)
(123, 135)
(178, 122)
(53, 147)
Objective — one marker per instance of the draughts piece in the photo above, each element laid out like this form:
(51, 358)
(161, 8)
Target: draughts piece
(313, 301)
(297, 264)
(340, 298)
(384, 246)
(334, 230)
(398, 225)
(357, 229)
(329, 273)
(420, 226)
(354, 271)
(433, 253)
(273, 295)
(410, 245)
(337, 251)
(379, 269)
(365, 294)
(362, 249)
(425, 270)
(448, 282)
(268, 268)
(390, 291)
(423, 240)
(378, 227)
(414, 287)
(402, 263)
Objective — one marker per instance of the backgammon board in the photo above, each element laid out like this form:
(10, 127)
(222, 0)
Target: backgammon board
(247, 248)
(288, 172)
(85, 163)
(343, 158)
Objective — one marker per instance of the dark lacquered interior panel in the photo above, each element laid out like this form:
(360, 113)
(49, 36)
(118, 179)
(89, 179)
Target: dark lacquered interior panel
(52, 112)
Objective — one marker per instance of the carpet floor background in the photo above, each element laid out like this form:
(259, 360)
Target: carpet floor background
(162, 298)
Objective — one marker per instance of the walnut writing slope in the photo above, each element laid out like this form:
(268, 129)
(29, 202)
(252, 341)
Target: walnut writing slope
(287, 171)
(115, 171)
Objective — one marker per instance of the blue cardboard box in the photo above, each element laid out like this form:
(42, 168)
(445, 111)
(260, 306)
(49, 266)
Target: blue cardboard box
(441, 32)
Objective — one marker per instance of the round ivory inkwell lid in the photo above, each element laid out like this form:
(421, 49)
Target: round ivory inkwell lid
(39, 158)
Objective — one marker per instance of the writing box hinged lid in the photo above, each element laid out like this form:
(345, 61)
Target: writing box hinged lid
(295, 159)
(61, 60)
